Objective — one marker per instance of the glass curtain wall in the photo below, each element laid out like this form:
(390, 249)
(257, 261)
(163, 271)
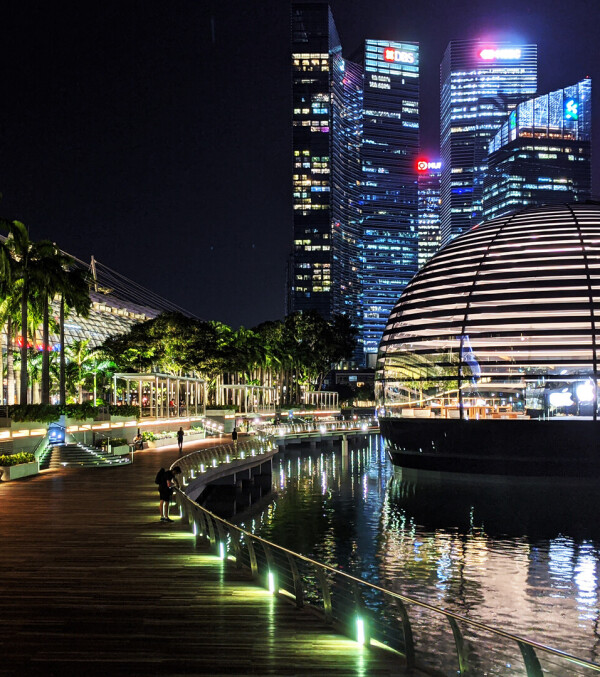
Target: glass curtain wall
(501, 323)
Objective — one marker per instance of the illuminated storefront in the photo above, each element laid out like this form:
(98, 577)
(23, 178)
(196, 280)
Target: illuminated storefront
(492, 348)
(480, 84)
(542, 154)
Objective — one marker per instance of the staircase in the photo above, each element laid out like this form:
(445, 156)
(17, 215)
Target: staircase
(79, 455)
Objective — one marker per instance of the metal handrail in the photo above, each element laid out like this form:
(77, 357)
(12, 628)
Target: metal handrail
(359, 425)
(215, 525)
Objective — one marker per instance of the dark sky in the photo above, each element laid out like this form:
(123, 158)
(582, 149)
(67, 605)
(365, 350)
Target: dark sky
(156, 135)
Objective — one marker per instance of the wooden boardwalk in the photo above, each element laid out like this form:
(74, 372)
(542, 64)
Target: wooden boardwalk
(92, 583)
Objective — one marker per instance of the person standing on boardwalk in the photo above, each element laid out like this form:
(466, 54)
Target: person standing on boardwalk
(166, 480)
(234, 435)
(180, 439)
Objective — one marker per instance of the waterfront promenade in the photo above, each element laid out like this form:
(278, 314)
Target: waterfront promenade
(92, 583)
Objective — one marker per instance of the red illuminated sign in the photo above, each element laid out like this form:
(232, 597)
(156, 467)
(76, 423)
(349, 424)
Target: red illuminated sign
(424, 165)
(395, 55)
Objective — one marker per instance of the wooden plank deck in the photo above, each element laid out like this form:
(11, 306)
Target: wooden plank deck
(92, 583)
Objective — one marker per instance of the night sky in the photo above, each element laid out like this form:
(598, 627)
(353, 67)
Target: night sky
(157, 135)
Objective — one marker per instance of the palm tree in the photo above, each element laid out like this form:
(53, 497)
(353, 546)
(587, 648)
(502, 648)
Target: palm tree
(5, 288)
(52, 273)
(26, 256)
(80, 357)
(74, 294)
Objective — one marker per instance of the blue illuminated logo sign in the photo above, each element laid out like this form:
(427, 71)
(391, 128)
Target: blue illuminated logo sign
(571, 109)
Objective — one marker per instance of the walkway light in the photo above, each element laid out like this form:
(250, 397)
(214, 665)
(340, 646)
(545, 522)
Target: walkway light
(360, 631)
(271, 582)
(194, 528)
(222, 551)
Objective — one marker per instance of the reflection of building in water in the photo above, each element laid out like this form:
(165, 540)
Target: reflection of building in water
(499, 325)
(436, 547)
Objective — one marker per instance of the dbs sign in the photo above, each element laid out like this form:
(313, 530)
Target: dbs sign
(396, 55)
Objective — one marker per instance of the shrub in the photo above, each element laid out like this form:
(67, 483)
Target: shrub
(48, 413)
(114, 441)
(16, 459)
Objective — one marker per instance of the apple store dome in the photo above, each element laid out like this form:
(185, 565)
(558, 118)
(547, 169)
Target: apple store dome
(501, 323)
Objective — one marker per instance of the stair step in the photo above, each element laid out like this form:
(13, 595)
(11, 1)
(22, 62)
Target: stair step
(81, 455)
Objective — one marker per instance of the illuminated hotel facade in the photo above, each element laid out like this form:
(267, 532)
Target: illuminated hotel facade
(481, 83)
(355, 146)
(429, 237)
(542, 153)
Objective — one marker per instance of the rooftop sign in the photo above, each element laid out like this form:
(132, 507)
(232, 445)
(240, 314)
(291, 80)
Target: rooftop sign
(391, 54)
(491, 54)
(424, 165)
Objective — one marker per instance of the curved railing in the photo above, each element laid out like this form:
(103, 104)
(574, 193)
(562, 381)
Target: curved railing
(427, 638)
(325, 427)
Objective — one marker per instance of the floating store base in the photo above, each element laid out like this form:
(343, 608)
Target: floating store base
(549, 448)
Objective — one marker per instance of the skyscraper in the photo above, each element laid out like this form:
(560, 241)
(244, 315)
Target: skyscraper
(314, 43)
(390, 146)
(541, 154)
(428, 173)
(480, 84)
(355, 145)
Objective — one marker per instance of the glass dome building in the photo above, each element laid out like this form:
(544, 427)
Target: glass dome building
(489, 361)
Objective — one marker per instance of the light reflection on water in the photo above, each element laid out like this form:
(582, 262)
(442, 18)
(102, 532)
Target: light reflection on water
(519, 556)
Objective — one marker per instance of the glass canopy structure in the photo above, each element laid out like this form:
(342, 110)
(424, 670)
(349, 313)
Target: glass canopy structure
(500, 324)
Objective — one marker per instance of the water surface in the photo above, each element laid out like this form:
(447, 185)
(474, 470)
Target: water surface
(518, 555)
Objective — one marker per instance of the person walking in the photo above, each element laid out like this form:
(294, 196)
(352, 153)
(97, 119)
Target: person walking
(166, 480)
(234, 435)
(180, 439)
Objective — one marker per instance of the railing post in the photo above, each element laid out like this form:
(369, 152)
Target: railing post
(211, 530)
(270, 561)
(409, 645)
(298, 591)
(327, 608)
(252, 556)
(361, 611)
(222, 535)
(237, 548)
(532, 664)
(463, 663)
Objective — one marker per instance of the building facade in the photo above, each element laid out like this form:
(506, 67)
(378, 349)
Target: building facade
(481, 83)
(314, 44)
(541, 154)
(389, 152)
(355, 145)
(429, 237)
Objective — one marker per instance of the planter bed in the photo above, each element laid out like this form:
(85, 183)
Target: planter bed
(15, 472)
